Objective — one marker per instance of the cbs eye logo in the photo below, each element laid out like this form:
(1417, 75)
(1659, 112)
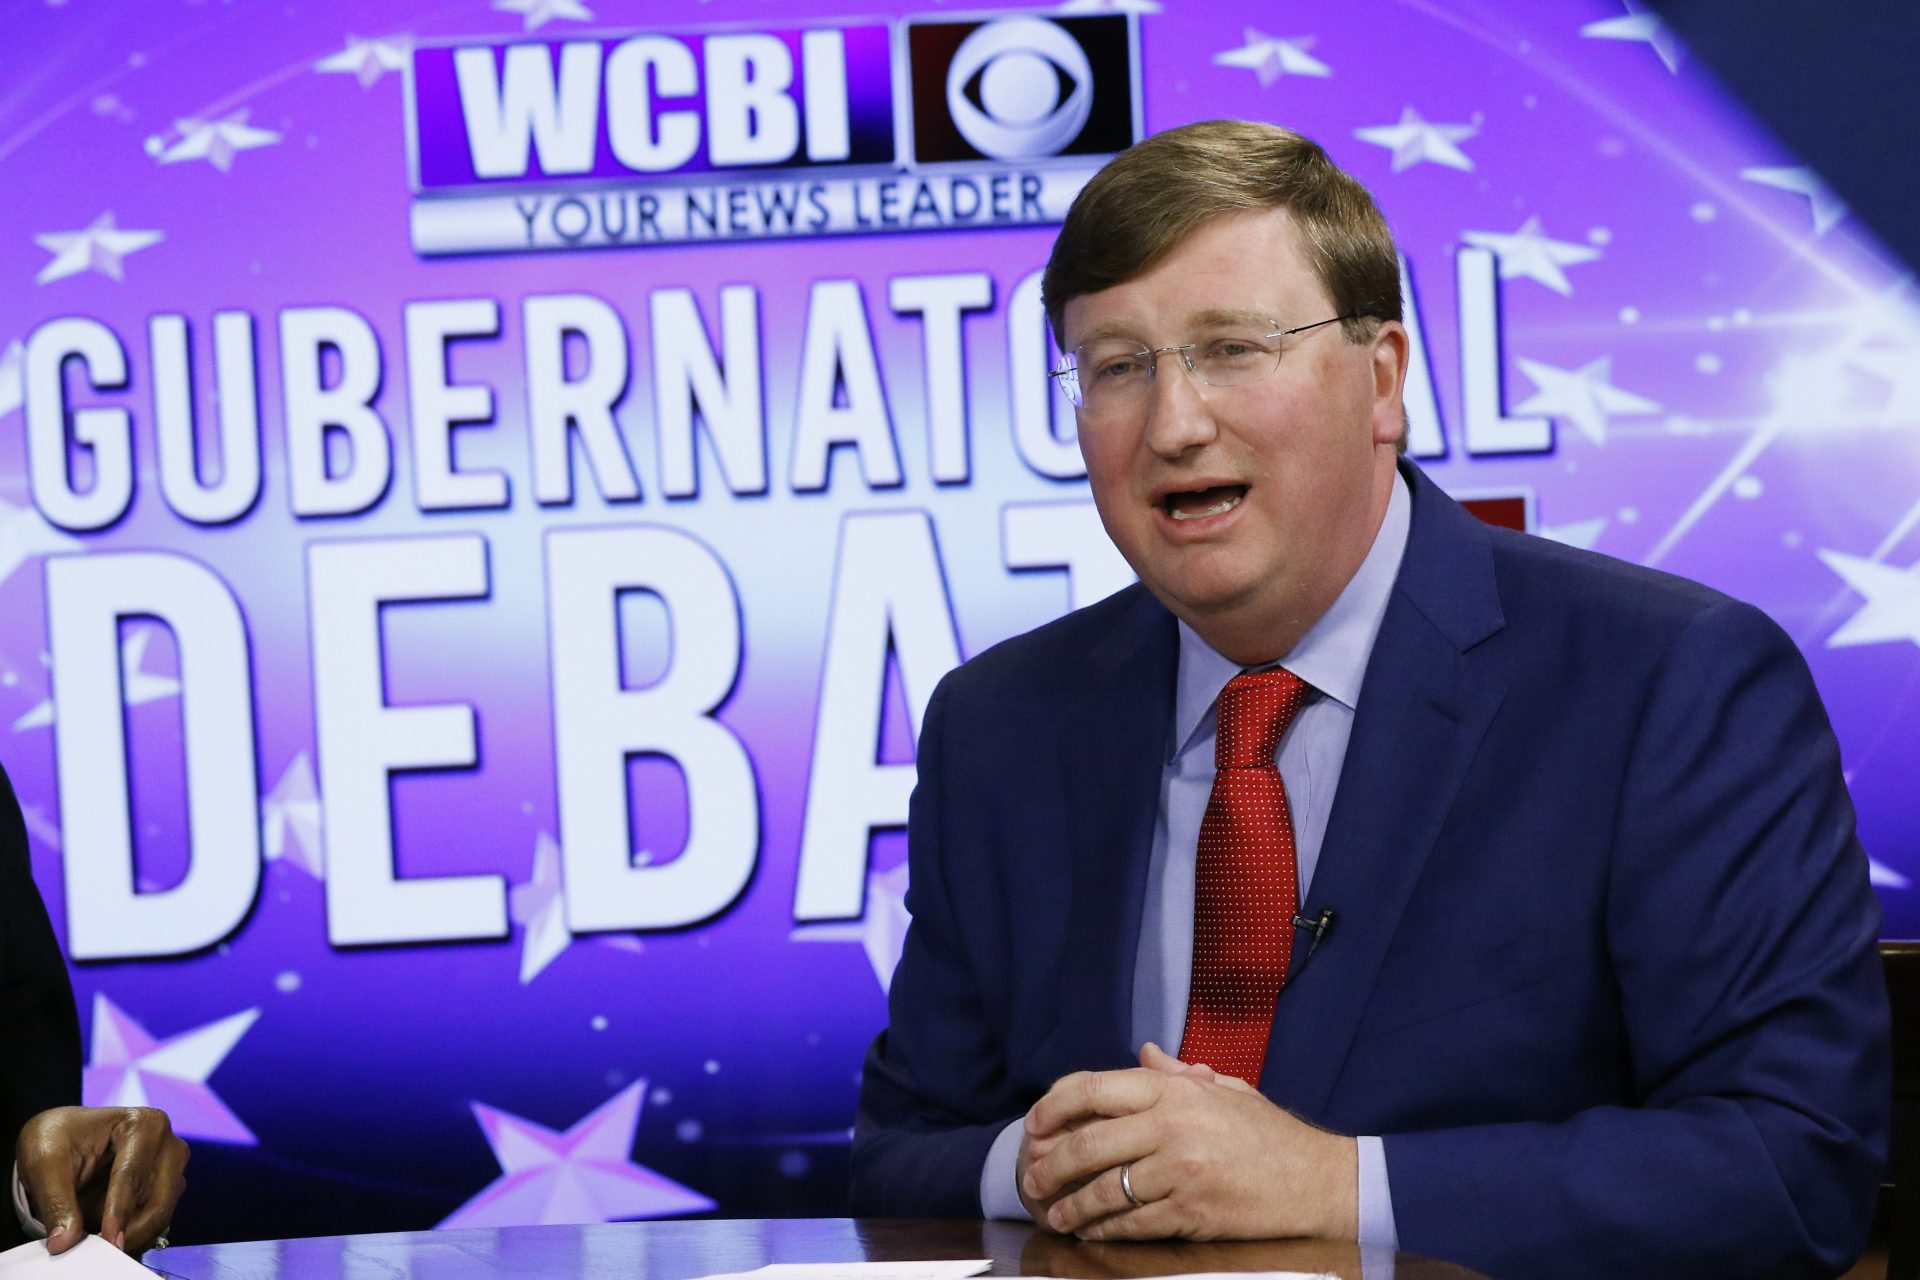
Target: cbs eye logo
(1021, 88)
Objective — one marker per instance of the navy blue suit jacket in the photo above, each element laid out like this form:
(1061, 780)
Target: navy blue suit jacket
(1604, 974)
(40, 1061)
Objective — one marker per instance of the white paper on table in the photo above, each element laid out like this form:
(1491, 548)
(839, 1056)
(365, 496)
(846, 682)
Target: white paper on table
(91, 1259)
(1250, 1275)
(937, 1270)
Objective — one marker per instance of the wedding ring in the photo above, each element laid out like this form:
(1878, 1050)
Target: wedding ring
(1126, 1187)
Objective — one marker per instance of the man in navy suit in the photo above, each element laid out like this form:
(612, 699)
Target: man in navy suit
(1552, 853)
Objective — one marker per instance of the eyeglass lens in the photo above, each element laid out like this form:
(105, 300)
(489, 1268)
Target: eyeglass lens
(1115, 371)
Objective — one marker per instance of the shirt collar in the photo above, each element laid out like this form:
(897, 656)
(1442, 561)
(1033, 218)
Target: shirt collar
(1332, 656)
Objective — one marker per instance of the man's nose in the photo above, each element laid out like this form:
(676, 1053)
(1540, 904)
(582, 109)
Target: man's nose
(1178, 415)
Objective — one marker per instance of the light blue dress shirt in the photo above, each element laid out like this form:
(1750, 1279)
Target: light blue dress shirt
(1332, 658)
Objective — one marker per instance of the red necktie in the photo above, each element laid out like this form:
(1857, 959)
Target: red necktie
(1246, 886)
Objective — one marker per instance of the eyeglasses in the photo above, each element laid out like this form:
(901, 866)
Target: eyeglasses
(1112, 374)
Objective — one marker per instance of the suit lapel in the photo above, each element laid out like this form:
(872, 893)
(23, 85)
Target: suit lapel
(1424, 706)
(1113, 744)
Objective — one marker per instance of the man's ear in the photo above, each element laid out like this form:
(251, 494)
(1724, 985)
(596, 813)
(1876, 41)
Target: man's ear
(1388, 355)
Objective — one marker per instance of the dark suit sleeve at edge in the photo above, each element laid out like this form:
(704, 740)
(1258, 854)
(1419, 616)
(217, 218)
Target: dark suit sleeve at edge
(1742, 931)
(914, 1154)
(40, 1066)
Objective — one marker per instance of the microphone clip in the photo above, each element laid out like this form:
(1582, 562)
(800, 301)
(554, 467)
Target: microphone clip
(1321, 926)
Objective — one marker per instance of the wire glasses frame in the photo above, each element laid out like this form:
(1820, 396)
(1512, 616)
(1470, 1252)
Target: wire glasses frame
(1219, 366)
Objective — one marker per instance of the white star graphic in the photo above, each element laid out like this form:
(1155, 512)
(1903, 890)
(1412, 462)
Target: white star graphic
(215, 141)
(881, 931)
(586, 1174)
(1415, 139)
(129, 1068)
(367, 60)
(1827, 207)
(97, 248)
(1901, 371)
(1638, 24)
(1801, 385)
(1584, 534)
(136, 686)
(1886, 876)
(42, 828)
(1527, 252)
(1892, 610)
(290, 819)
(538, 13)
(537, 907)
(1583, 396)
(13, 390)
(23, 534)
(1270, 57)
(1892, 315)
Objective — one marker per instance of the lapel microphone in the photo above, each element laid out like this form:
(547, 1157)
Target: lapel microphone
(1321, 927)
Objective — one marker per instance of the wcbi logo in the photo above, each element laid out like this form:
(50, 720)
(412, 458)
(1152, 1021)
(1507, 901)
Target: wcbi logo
(863, 126)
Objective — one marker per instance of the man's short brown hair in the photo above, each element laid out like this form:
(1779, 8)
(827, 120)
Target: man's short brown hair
(1149, 198)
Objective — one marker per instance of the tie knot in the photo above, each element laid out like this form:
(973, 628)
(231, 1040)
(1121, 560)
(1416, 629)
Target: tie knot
(1252, 716)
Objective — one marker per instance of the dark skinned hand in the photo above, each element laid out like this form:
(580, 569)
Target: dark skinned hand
(116, 1171)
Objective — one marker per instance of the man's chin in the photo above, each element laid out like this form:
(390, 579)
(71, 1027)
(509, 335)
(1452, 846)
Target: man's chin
(1208, 605)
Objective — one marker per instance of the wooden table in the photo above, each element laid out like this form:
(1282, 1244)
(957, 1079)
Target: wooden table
(682, 1250)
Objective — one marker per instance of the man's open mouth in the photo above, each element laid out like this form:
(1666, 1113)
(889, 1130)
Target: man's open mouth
(1198, 504)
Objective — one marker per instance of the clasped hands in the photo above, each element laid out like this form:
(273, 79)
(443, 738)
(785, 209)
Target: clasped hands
(1207, 1156)
(118, 1171)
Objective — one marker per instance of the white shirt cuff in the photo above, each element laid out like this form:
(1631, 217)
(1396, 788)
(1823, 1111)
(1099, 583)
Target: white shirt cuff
(999, 1186)
(34, 1228)
(1376, 1196)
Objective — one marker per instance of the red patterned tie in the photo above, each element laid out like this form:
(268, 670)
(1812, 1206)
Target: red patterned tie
(1246, 886)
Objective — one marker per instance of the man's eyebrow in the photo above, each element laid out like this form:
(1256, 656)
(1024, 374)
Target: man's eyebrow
(1218, 317)
(1210, 318)
(1127, 329)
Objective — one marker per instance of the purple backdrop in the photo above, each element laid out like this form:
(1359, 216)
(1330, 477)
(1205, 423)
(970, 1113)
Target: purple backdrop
(579, 579)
